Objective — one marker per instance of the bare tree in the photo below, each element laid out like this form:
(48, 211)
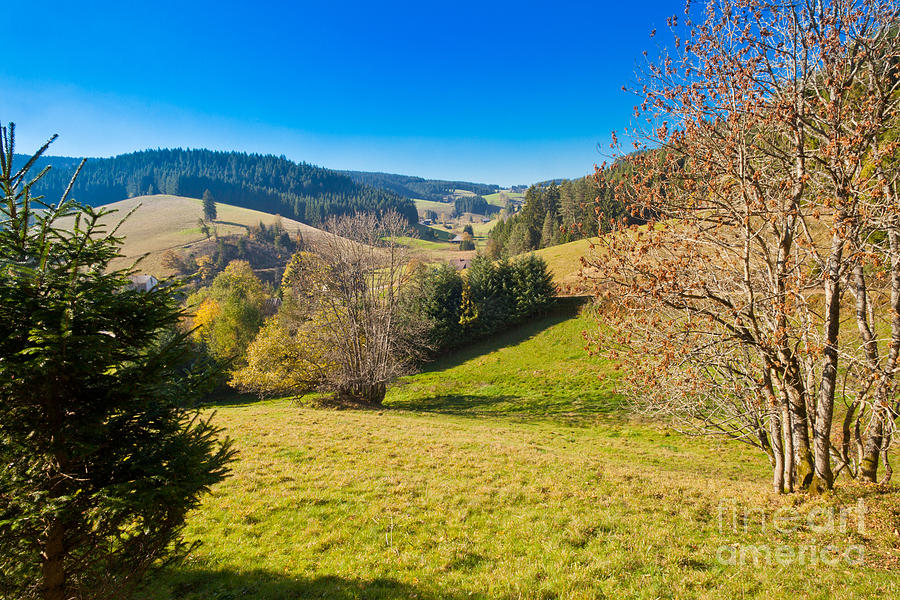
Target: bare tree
(765, 155)
(354, 328)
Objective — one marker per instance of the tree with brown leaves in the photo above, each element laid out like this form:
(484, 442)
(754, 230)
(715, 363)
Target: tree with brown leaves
(767, 156)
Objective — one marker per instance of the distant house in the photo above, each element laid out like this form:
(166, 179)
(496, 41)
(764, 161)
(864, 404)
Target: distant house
(460, 264)
(271, 306)
(457, 239)
(143, 283)
(427, 221)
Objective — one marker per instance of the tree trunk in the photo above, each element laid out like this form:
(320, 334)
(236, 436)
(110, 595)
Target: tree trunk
(777, 453)
(799, 425)
(875, 440)
(824, 478)
(371, 394)
(788, 446)
(846, 436)
(868, 469)
(888, 470)
(869, 465)
(774, 445)
(53, 573)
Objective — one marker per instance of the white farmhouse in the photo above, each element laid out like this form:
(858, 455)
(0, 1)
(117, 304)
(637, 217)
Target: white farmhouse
(143, 283)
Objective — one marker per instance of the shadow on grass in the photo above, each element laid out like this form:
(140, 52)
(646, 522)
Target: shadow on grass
(264, 585)
(226, 396)
(565, 309)
(581, 411)
(241, 225)
(460, 404)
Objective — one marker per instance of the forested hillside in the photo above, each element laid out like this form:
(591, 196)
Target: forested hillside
(261, 182)
(473, 204)
(55, 162)
(416, 187)
(561, 211)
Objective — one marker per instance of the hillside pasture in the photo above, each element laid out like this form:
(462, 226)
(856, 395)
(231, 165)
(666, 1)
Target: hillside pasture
(441, 249)
(506, 470)
(497, 198)
(438, 207)
(163, 222)
(564, 263)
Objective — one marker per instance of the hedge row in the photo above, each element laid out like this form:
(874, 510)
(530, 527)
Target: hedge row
(491, 296)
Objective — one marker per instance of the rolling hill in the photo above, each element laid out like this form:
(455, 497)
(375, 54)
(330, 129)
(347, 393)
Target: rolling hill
(163, 222)
(564, 263)
(435, 190)
(267, 183)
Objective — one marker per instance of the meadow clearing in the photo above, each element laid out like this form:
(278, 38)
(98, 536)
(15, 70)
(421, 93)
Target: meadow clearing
(162, 222)
(507, 470)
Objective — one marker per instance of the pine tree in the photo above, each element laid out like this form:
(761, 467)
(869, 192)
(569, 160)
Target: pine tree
(101, 459)
(549, 230)
(209, 207)
(518, 241)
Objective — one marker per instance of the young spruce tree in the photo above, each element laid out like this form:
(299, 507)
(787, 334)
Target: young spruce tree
(101, 459)
(209, 207)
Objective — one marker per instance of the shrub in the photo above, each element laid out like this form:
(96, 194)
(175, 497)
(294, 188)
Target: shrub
(439, 299)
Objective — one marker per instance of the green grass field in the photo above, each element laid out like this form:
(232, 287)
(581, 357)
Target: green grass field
(497, 198)
(564, 263)
(441, 249)
(537, 370)
(438, 207)
(441, 234)
(481, 230)
(505, 470)
(427, 248)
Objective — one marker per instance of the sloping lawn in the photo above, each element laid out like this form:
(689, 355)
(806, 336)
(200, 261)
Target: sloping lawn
(508, 470)
(539, 369)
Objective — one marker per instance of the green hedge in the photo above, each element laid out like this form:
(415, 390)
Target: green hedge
(490, 297)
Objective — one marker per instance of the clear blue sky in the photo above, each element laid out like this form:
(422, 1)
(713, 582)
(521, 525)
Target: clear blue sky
(499, 92)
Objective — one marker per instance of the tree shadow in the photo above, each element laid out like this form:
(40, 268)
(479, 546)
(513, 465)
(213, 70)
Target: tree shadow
(191, 584)
(461, 404)
(562, 409)
(563, 310)
(225, 396)
(241, 225)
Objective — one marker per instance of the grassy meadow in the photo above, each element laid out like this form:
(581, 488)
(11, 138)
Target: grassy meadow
(441, 249)
(438, 207)
(508, 469)
(499, 198)
(564, 263)
(162, 222)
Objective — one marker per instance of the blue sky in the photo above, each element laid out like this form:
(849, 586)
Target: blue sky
(499, 92)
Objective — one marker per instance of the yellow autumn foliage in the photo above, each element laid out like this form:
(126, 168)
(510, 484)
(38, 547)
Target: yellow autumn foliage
(280, 363)
(205, 267)
(206, 315)
(303, 272)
